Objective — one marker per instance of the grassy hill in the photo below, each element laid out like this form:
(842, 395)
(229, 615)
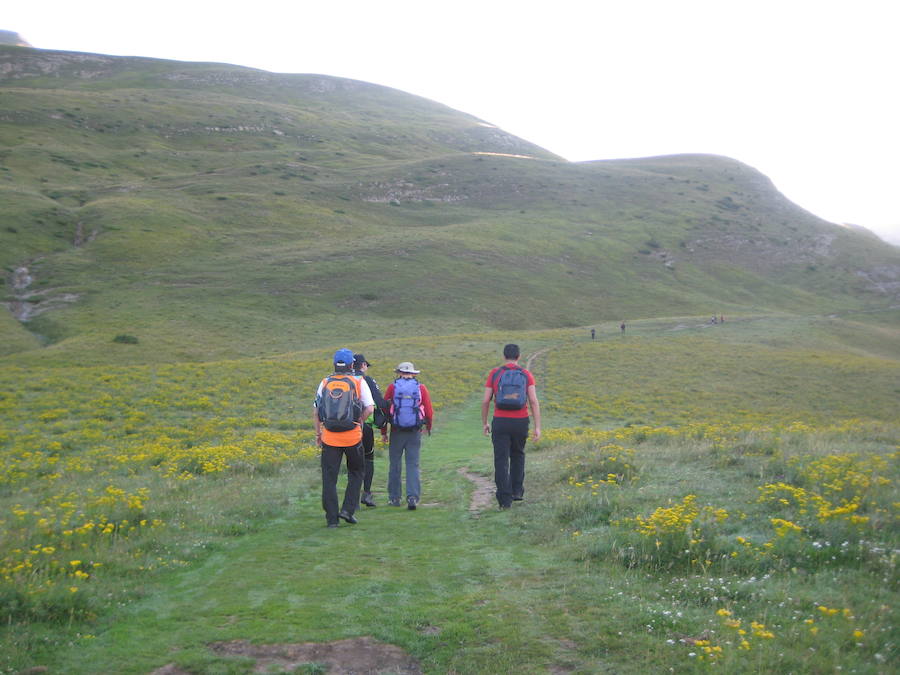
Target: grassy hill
(215, 211)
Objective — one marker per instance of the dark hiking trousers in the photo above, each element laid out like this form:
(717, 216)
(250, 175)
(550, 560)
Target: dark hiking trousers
(508, 434)
(368, 442)
(331, 466)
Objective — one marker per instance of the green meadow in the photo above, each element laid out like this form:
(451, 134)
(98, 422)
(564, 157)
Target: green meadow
(702, 496)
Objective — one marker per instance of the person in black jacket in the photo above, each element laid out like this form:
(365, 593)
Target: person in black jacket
(360, 366)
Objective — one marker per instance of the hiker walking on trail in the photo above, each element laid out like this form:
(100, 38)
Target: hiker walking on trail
(410, 410)
(512, 389)
(343, 402)
(593, 333)
(360, 366)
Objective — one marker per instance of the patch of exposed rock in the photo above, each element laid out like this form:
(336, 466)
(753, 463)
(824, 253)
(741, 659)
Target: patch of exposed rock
(26, 304)
(884, 279)
(766, 253)
(395, 192)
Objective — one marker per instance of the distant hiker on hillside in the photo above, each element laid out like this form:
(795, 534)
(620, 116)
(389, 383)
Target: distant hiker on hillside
(410, 410)
(622, 326)
(513, 391)
(593, 333)
(343, 402)
(378, 419)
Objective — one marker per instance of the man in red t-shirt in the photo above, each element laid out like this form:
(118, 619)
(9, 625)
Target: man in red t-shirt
(509, 429)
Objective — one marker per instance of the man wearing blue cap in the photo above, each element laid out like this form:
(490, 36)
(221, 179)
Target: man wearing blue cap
(343, 403)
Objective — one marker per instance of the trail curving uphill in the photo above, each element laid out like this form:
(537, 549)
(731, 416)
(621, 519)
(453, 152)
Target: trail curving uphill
(540, 352)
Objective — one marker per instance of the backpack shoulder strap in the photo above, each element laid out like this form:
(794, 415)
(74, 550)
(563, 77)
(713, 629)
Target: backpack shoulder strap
(499, 371)
(345, 376)
(376, 392)
(357, 384)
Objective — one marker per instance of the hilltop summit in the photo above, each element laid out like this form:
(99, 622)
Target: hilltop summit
(10, 37)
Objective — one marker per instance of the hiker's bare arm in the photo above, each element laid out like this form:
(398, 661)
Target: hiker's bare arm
(485, 407)
(317, 425)
(368, 410)
(535, 406)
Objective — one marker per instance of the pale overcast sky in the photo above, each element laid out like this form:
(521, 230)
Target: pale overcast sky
(803, 90)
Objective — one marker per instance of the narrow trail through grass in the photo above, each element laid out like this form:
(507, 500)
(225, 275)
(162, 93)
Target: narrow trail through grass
(428, 580)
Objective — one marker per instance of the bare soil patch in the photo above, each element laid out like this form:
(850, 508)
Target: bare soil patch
(355, 656)
(482, 495)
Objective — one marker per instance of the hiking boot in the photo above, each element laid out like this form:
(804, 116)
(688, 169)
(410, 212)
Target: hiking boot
(349, 517)
(394, 502)
(367, 499)
(332, 524)
(411, 503)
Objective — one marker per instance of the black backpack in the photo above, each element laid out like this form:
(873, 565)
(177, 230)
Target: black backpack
(512, 388)
(339, 406)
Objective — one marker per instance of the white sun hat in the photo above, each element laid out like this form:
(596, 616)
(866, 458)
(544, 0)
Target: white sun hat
(407, 367)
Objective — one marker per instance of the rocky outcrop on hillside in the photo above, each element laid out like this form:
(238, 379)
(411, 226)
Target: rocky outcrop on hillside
(27, 304)
(883, 279)
(57, 64)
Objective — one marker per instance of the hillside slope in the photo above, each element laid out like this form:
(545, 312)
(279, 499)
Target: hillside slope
(215, 211)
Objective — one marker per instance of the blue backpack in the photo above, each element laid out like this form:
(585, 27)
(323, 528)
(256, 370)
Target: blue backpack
(512, 389)
(406, 404)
